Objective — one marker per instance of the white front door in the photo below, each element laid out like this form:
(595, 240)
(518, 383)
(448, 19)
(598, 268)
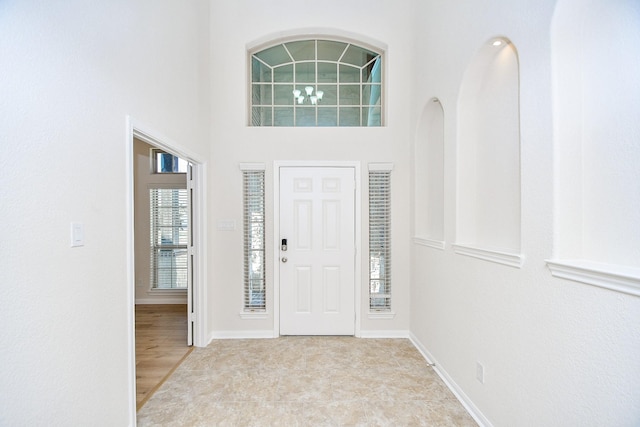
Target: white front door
(317, 265)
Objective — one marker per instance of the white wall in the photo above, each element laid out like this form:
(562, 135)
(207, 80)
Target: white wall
(428, 183)
(597, 131)
(71, 73)
(488, 150)
(236, 24)
(555, 352)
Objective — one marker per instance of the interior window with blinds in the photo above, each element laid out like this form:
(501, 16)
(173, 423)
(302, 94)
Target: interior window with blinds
(379, 240)
(254, 240)
(169, 237)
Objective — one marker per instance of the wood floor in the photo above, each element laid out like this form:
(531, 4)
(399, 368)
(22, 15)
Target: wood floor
(161, 345)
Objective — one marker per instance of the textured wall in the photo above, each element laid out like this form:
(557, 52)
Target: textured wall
(596, 104)
(555, 352)
(71, 73)
(234, 26)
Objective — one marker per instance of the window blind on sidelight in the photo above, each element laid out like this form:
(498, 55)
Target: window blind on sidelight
(254, 240)
(379, 240)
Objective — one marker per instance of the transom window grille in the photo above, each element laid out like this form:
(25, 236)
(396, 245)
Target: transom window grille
(169, 237)
(316, 83)
(380, 240)
(254, 240)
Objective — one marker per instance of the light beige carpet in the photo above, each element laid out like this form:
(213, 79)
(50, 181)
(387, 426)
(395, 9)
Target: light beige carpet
(305, 381)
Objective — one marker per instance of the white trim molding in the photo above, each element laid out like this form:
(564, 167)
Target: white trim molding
(499, 257)
(471, 408)
(423, 241)
(252, 166)
(240, 335)
(389, 334)
(253, 315)
(380, 166)
(609, 276)
(319, 33)
(381, 315)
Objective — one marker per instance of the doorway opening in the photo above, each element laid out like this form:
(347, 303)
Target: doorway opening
(165, 268)
(162, 233)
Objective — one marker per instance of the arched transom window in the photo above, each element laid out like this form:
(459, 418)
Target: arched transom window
(316, 83)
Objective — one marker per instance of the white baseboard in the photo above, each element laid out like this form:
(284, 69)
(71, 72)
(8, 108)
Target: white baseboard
(449, 382)
(384, 334)
(240, 335)
(162, 300)
(261, 334)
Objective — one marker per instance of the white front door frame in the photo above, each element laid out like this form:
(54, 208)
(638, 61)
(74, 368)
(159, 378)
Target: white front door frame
(276, 233)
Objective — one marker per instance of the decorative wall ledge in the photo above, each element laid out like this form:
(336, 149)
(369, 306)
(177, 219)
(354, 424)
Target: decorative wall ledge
(499, 257)
(609, 276)
(381, 315)
(254, 315)
(436, 244)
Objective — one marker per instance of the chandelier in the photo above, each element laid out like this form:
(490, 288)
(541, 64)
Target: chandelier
(314, 99)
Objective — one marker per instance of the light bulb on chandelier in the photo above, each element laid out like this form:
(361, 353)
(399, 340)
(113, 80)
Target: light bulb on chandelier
(314, 99)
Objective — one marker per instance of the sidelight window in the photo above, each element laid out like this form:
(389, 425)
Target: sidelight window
(254, 240)
(379, 238)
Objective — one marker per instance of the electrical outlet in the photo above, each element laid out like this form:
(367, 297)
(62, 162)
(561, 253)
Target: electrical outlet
(480, 372)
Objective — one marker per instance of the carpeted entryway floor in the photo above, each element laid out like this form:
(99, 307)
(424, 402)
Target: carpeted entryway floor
(305, 381)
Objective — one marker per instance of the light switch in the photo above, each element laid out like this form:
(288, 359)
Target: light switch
(77, 234)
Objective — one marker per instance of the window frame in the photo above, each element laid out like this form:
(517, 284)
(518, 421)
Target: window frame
(380, 238)
(156, 168)
(155, 248)
(376, 63)
(252, 201)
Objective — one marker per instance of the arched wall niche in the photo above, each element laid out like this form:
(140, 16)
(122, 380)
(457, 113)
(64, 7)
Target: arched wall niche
(488, 156)
(596, 64)
(429, 177)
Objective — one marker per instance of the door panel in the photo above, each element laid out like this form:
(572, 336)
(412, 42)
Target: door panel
(317, 271)
(331, 289)
(302, 220)
(303, 289)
